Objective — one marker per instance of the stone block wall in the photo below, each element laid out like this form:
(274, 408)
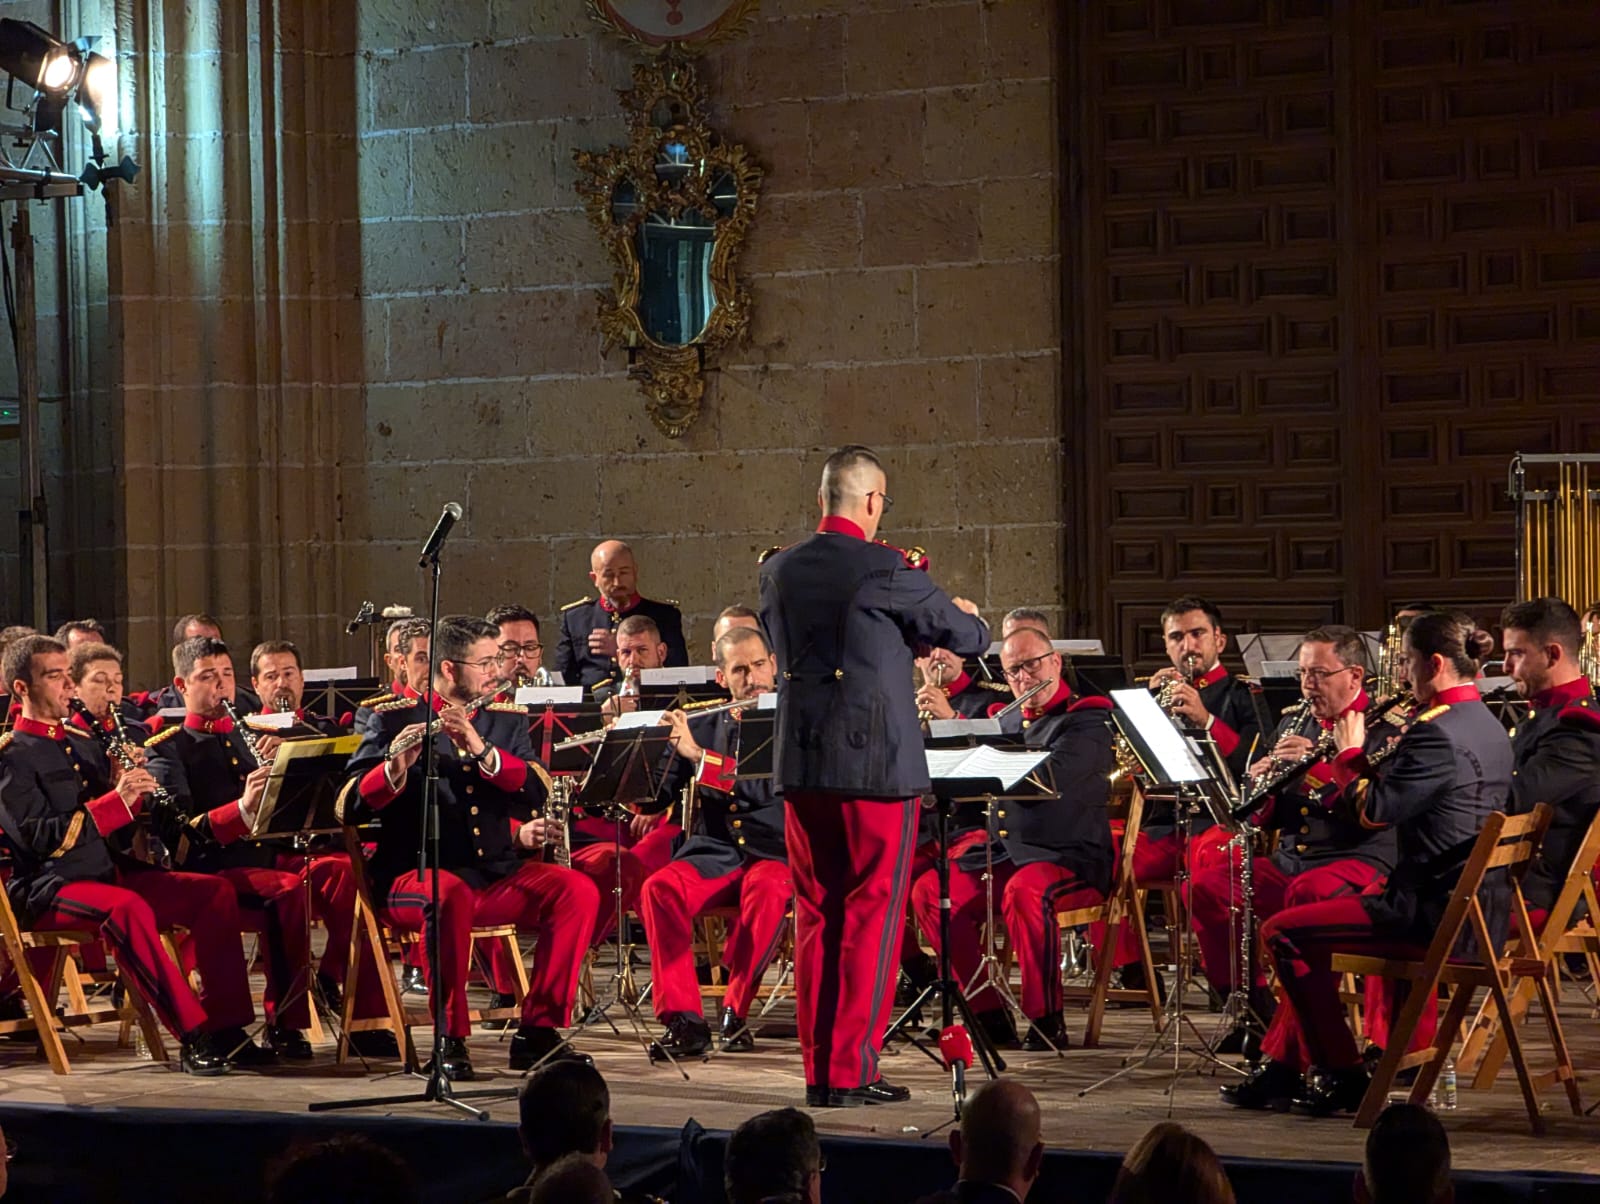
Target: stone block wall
(904, 267)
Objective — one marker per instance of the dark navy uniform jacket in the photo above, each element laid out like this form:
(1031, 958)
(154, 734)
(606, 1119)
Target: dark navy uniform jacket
(737, 821)
(203, 763)
(580, 667)
(1449, 772)
(1556, 751)
(478, 815)
(1073, 830)
(56, 811)
(1310, 832)
(1238, 717)
(844, 617)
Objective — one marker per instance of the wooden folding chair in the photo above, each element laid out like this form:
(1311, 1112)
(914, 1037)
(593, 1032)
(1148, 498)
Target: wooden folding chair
(1114, 911)
(712, 924)
(369, 932)
(1508, 843)
(41, 996)
(1485, 1046)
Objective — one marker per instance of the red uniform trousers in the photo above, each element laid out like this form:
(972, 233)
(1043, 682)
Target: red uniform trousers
(333, 898)
(1310, 1027)
(1156, 860)
(926, 860)
(850, 860)
(556, 904)
(671, 899)
(130, 915)
(273, 904)
(640, 859)
(1028, 899)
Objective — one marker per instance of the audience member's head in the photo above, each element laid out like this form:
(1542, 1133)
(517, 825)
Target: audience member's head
(1407, 1159)
(338, 1170)
(565, 1108)
(572, 1179)
(1170, 1165)
(998, 1141)
(774, 1158)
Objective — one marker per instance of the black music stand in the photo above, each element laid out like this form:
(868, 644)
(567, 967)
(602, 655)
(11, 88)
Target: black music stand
(1171, 760)
(627, 771)
(550, 723)
(754, 750)
(974, 776)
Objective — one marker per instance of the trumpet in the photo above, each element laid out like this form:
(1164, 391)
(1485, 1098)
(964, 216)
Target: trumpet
(925, 717)
(1167, 696)
(403, 743)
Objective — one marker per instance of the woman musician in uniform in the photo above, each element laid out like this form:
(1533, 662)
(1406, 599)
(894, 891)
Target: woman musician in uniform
(1436, 787)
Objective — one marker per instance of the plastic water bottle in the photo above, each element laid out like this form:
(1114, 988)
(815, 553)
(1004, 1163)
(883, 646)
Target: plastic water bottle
(1448, 1084)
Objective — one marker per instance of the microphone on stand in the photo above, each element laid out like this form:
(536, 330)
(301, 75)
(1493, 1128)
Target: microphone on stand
(448, 519)
(955, 1047)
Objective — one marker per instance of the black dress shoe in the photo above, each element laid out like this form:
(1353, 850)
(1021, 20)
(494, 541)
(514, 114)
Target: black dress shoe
(534, 1043)
(999, 1027)
(454, 1061)
(687, 1036)
(1241, 1041)
(375, 1043)
(879, 1092)
(736, 1034)
(235, 1045)
(499, 1000)
(1047, 1034)
(329, 995)
(816, 1097)
(1406, 1076)
(289, 1044)
(198, 1056)
(1331, 1091)
(413, 981)
(1133, 979)
(1270, 1087)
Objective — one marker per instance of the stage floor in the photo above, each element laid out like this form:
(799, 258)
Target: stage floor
(1488, 1131)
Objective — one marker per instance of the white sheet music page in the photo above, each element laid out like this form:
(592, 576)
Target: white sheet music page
(1007, 765)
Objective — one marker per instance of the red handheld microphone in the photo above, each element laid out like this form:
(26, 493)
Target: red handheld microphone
(955, 1046)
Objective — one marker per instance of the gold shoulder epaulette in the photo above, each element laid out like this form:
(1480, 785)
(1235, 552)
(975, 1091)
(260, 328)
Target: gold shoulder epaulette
(6, 739)
(668, 601)
(165, 733)
(985, 684)
(395, 704)
(377, 698)
(1247, 679)
(579, 602)
(507, 706)
(604, 681)
(1293, 706)
(1433, 713)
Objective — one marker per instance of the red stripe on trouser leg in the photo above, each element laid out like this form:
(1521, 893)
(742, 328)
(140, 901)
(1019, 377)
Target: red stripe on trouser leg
(671, 899)
(764, 899)
(1030, 899)
(850, 860)
(407, 907)
(273, 903)
(1310, 1028)
(598, 863)
(558, 906)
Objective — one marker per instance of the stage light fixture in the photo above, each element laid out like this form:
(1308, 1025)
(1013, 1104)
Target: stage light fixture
(97, 93)
(35, 57)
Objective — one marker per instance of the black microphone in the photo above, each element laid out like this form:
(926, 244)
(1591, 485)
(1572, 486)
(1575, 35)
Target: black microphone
(450, 517)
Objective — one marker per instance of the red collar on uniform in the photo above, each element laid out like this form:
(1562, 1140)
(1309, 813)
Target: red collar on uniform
(1359, 703)
(398, 687)
(40, 727)
(1057, 701)
(211, 727)
(951, 689)
(1210, 678)
(833, 524)
(408, 692)
(1560, 696)
(1462, 693)
(606, 605)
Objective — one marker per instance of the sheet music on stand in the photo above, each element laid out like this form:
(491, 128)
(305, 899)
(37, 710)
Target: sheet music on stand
(1257, 648)
(627, 767)
(303, 788)
(680, 686)
(1003, 766)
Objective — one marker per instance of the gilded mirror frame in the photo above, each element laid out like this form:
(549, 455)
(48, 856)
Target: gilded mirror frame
(666, 110)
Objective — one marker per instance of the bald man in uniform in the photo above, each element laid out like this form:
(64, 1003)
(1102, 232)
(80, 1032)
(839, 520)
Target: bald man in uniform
(587, 652)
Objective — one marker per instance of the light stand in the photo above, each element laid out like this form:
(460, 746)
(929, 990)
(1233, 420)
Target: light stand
(437, 1088)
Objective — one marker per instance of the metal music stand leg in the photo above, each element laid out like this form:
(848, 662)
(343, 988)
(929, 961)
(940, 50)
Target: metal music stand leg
(1169, 1036)
(951, 998)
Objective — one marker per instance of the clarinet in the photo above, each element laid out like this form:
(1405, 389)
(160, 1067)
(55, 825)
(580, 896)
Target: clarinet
(168, 824)
(249, 737)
